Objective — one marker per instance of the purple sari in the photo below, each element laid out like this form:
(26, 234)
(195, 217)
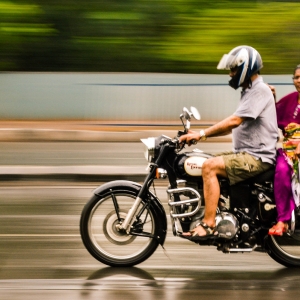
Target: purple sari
(287, 112)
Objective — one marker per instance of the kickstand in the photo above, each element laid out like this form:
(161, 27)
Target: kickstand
(166, 254)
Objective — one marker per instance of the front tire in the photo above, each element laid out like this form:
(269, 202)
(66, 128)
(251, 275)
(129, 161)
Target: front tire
(101, 236)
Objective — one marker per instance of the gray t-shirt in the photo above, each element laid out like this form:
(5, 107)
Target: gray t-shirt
(258, 134)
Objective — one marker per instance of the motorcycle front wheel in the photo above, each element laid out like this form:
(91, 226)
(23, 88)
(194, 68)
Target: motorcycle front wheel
(103, 239)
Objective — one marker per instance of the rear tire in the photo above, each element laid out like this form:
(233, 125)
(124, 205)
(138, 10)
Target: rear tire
(286, 249)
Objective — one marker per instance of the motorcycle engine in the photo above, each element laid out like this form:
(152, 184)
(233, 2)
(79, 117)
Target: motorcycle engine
(227, 225)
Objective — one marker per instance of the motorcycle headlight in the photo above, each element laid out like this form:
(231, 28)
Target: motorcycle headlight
(153, 146)
(149, 149)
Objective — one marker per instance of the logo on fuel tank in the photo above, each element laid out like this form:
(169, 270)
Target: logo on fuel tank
(193, 165)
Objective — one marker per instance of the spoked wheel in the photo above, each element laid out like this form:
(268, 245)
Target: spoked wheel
(286, 249)
(103, 238)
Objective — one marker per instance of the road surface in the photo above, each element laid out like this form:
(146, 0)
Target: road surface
(42, 257)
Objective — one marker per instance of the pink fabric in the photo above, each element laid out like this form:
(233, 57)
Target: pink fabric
(284, 200)
(285, 109)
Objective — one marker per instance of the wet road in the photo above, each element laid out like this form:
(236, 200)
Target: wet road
(42, 257)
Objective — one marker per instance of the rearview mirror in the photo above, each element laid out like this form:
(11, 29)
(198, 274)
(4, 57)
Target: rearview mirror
(195, 113)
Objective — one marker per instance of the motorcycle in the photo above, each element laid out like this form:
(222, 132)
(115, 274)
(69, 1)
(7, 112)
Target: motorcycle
(124, 222)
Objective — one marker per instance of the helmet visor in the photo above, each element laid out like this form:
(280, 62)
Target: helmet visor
(227, 62)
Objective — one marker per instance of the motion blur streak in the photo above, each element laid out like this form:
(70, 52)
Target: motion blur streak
(144, 36)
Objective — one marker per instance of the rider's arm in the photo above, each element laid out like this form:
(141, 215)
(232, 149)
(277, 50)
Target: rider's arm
(221, 128)
(224, 127)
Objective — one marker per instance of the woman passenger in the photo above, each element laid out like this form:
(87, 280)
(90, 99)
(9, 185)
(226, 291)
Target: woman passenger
(287, 169)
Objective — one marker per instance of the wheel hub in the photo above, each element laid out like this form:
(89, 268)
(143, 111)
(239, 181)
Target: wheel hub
(112, 232)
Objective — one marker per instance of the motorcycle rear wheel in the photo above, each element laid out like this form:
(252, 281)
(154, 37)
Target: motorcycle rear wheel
(102, 238)
(286, 249)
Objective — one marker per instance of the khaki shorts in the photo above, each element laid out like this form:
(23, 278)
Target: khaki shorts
(241, 166)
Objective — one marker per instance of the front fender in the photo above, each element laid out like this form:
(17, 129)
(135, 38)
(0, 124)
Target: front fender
(134, 188)
(116, 184)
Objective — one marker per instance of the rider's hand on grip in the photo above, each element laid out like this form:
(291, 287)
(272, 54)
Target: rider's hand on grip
(191, 138)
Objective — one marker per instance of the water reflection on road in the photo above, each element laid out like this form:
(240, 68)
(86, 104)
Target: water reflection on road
(42, 256)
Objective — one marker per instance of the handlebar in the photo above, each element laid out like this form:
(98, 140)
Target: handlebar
(180, 133)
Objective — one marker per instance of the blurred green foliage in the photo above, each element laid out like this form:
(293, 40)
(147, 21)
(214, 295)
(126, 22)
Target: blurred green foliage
(178, 36)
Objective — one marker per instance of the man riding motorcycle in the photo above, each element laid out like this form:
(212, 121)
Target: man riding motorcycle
(254, 133)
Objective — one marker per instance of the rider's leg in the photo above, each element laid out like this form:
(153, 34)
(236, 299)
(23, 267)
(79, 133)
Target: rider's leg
(211, 168)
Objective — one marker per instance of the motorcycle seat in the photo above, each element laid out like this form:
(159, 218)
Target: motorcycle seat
(263, 177)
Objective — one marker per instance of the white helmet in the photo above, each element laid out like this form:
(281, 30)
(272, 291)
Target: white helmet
(246, 59)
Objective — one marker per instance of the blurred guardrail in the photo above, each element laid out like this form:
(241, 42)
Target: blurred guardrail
(121, 97)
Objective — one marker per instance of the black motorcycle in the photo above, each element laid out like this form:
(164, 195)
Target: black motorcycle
(124, 222)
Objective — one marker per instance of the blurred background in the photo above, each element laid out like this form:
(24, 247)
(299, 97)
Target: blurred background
(77, 74)
(182, 36)
(136, 60)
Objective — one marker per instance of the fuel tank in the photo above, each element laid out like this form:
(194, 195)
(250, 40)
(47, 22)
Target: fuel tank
(188, 165)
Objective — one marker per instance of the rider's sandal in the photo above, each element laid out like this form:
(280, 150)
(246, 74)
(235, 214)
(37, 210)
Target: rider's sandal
(279, 229)
(211, 233)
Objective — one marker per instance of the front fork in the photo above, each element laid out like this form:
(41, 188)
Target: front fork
(129, 219)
